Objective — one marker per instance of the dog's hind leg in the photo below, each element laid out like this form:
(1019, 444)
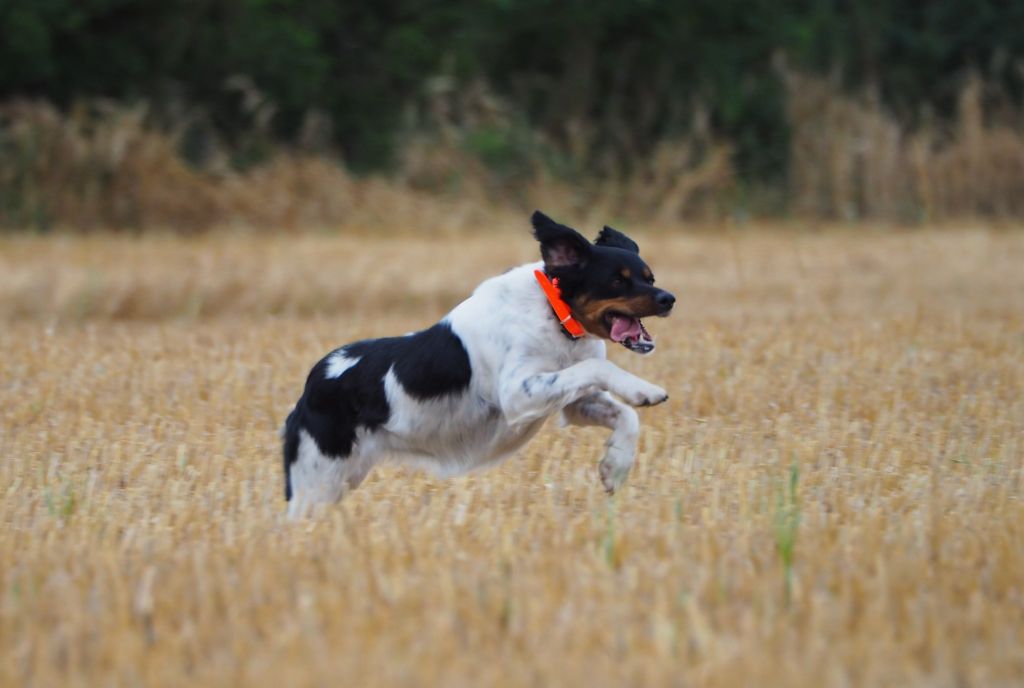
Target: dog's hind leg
(316, 478)
(603, 410)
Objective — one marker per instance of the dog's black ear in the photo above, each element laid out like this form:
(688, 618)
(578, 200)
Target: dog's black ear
(616, 239)
(560, 246)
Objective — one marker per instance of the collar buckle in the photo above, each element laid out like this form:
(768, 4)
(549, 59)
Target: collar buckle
(561, 308)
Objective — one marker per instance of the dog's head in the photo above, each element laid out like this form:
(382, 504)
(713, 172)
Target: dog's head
(607, 284)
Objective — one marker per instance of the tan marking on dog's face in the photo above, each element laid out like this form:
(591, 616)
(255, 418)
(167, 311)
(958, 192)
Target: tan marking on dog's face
(626, 274)
(591, 312)
(648, 275)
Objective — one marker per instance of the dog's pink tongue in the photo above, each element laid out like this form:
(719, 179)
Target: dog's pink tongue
(623, 328)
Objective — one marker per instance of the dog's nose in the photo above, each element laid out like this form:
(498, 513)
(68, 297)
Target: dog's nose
(665, 300)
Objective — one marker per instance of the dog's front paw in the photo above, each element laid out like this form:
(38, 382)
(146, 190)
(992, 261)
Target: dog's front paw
(641, 393)
(614, 468)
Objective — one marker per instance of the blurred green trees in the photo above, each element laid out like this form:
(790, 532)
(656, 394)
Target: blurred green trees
(629, 72)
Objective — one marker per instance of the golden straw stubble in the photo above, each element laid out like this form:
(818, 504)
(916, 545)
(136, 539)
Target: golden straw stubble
(831, 496)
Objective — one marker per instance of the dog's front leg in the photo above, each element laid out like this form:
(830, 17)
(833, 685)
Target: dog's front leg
(604, 411)
(529, 395)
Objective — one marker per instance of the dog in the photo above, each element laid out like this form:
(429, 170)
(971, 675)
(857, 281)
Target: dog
(470, 390)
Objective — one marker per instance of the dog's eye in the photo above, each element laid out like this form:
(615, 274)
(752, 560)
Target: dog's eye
(618, 282)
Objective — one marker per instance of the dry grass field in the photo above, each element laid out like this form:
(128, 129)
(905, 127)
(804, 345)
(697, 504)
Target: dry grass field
(833, 495)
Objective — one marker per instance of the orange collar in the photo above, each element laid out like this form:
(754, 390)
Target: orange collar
(561, 308)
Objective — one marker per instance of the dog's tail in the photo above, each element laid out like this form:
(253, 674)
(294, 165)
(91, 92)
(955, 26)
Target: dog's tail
(290, 442)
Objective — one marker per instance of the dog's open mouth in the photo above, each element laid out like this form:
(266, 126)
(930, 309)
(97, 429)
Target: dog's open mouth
(629, 332)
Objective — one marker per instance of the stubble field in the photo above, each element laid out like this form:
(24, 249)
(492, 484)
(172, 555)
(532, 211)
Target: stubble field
(832, 496)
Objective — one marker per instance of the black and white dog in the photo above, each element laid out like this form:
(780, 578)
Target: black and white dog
(472, 389)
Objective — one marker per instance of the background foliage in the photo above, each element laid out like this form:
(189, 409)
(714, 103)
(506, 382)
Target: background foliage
(630, 73)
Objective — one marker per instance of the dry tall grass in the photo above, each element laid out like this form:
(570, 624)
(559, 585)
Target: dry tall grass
(851, 159)
(106, 166)
(833, 495)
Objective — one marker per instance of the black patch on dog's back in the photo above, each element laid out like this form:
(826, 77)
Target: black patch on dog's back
(429, 365)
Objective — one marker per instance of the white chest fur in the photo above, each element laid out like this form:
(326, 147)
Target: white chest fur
(505, 325)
